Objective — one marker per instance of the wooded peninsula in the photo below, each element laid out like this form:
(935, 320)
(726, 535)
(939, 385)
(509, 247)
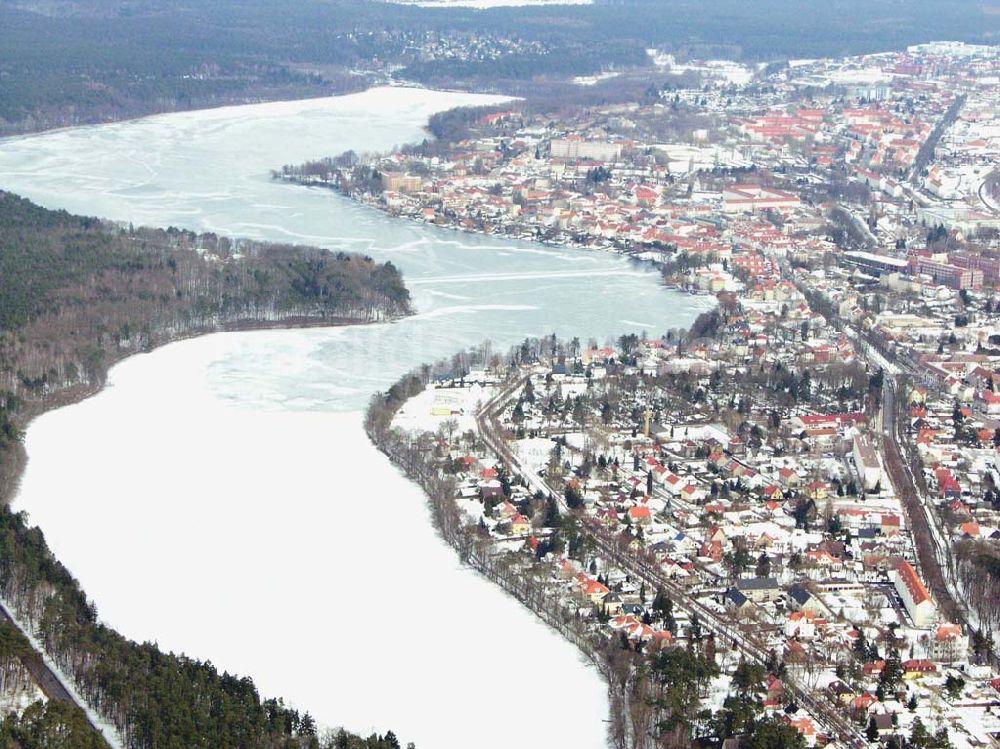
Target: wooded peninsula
(77, 295)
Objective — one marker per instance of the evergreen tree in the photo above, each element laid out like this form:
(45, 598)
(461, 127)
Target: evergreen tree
(871, 732)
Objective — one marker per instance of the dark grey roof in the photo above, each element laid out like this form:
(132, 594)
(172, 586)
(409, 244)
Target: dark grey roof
(757, 583)
(839, 687)
(799, 594)
(735, 597)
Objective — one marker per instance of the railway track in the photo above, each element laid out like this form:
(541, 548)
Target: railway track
(925, 540)
(644, 570)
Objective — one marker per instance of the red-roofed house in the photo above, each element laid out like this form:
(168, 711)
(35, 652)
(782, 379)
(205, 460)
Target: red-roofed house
(988, 401)
(519, 525)
(640, 515)
(950, 644)
(918, 667)
(919, 604)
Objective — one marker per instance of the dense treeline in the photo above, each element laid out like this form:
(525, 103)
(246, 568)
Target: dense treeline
(75, 61)
(16, 680)
(49, 725)
(52, 262)
(42, 722)
(457, 123)
(569, 62)
(977, 566)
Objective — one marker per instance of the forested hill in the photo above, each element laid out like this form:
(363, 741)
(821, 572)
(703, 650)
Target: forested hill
(66, 62)
(76, 295)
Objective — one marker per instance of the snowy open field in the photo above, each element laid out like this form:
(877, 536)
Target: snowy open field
(450, 409)
(220, 496)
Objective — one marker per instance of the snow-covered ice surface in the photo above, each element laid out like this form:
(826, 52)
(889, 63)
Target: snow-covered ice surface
(280, 544)
(220, 496)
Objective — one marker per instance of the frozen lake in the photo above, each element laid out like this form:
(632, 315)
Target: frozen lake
(220, 497)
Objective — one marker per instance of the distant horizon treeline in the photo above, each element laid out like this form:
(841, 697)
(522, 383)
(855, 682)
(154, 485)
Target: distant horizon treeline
(72, 62)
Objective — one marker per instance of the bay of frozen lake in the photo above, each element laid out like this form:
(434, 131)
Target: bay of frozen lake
(220, 497)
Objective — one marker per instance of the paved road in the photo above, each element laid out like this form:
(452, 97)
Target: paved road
(48, 680)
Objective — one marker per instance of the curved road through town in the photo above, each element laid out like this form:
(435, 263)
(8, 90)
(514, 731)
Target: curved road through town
(645, 570)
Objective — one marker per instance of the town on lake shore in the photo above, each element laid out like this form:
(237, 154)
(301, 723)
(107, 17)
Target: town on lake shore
(795, 505)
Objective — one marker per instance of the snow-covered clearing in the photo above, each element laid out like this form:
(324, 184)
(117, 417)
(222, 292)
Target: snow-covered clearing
(723, 72)
(593, 80)
(448, 409)
(534, 452)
